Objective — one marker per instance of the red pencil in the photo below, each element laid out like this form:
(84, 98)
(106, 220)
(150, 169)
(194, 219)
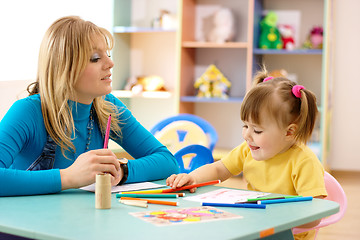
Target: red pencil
(191, 186)
(107, 134)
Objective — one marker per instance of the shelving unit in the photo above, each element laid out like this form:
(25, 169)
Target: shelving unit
(182, 55)
(143, 50)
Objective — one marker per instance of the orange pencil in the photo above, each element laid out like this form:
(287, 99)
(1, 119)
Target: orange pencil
(191, 186)
(151, 201)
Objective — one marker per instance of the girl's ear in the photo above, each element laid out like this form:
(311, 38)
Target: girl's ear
(291, 130)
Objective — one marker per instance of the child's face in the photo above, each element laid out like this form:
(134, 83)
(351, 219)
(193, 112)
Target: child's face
(266, 140)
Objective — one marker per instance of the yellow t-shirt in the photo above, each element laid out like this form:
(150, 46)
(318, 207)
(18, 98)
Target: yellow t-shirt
(295, 172)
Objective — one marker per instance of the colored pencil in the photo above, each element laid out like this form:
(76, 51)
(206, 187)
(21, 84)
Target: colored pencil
(134, 203)
(191, 186)
(151, 201)
(270, 198)
(298, 199)
(107, 133)
(144, 195)
(236, 205)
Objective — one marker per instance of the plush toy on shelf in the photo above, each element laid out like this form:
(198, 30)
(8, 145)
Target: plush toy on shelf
(315, 38)
(287, 36)
(145, 83)
(224, 29)
(212, 83)
(270, 37)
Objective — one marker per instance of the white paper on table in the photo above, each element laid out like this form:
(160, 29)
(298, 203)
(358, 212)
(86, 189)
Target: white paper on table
(127, 187)
(225, 195)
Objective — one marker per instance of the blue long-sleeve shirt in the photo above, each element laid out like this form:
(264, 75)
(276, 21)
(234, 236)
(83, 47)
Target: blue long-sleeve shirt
(23, 136)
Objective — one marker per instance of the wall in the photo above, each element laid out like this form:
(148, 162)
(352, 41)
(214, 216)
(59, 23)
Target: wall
(345, 127)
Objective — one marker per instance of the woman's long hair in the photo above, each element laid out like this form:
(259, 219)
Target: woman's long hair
(64, 53)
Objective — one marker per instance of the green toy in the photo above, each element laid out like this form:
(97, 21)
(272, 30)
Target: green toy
(270, 37)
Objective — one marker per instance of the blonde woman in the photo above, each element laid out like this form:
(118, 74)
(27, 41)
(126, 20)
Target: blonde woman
(53, 139)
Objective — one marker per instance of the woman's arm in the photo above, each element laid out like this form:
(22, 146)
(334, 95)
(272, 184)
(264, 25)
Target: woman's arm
(152, 160)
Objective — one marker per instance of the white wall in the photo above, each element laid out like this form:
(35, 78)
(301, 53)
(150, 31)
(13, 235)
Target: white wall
(24, 22)
(345, 137)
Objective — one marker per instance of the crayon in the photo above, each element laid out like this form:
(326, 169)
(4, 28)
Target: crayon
(236, 205)
(298, 199)
(151, 201)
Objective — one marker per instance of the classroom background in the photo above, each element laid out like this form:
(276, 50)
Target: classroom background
(23, 24)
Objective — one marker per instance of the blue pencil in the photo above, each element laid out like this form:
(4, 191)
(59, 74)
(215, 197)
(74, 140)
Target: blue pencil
(297, 199)
(243, 205)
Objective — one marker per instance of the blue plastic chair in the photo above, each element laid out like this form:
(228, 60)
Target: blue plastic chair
(182, 130)
(193, 156)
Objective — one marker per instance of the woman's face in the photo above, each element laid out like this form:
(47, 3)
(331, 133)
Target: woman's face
(95, 80)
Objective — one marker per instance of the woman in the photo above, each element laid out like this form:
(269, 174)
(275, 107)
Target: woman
(53, 139)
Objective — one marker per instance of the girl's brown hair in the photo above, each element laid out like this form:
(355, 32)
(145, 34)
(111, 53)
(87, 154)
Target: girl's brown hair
(276, 98)
(64, 53)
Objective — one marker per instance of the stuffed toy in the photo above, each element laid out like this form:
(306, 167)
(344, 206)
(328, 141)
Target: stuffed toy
(287, 36)
(315, 38)
(145, 83)
(224, 29)
(270, 37)
(212, 83)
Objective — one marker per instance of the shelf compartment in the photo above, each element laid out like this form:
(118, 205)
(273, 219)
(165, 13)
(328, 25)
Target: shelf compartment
(196, 44)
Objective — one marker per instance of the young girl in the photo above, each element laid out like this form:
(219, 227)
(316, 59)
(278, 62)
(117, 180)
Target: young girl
(279, 117)
(53, 139)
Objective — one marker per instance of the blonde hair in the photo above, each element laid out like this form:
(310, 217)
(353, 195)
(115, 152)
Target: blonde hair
(64, 53)
(276, 98)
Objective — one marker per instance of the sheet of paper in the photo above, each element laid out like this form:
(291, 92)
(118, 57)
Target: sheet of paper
(224, 195)
(127, 187)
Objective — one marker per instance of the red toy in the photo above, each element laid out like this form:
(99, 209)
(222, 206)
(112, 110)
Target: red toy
(287, 36)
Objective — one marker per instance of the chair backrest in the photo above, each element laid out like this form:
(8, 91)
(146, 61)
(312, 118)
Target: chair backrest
(336, 194)
(182, 130)
(193, 156)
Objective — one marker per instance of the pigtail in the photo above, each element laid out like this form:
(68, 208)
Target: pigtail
(260, 76)
(307, 115)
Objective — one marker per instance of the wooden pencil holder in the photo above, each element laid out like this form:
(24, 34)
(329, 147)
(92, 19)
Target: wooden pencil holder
(103, 191)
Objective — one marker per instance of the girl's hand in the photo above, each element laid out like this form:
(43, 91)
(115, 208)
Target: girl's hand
(83, 171)
(176, 181)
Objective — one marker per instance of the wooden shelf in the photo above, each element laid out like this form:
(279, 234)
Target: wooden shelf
(218, 100)
(287, 52)
(130, 94)
(195, 44)
(126, 29)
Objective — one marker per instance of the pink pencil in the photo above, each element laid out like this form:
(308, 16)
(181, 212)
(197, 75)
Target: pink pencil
(107, 134)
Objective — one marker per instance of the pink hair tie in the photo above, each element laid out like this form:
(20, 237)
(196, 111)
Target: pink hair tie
(267, 79)
(296, 90)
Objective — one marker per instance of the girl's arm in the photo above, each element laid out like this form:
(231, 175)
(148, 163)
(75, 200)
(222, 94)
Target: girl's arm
(208, 172)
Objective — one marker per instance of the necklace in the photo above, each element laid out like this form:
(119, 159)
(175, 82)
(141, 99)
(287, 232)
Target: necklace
(89, 127)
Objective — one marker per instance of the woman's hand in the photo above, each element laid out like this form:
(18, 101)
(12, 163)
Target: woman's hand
(83, 171)
(176, 181)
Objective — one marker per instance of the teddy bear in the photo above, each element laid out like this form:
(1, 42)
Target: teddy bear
(287, 36)
(270, 37)
(224, 29)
